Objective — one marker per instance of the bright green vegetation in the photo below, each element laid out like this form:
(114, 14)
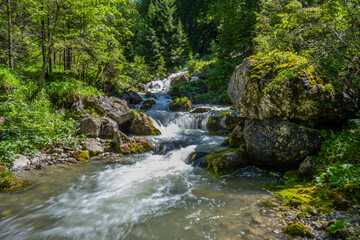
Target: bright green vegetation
(9, 183)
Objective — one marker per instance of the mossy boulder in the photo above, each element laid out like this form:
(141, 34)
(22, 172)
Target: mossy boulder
(226, 162)
(8, 182)
(261, 89)
(148, 104)
(180, 105)
(142, 125)
(223, 124)
(82, 156)
(141, 145)
(297, 229)
(236, 137)
(178, 80)
(93, 147)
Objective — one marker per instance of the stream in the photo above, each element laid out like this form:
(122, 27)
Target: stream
(146, 196)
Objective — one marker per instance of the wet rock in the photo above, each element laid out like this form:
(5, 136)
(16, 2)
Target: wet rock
(279, 145)
(108, 128)
(180, 105)
(301, 99)
(196, 159)
(167, 146)
(93, 147)
(141, 145)
(130, 97)
(90, 127)
(150, 95)
(226, 162)
(307, 166)
(142, 125)
(178, 80)
(142, 87)
(113, 108)
(201, 110)
(148, 104)
(223, 124)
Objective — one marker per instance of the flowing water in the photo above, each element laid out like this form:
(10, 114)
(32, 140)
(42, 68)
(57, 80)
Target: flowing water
(146, 196)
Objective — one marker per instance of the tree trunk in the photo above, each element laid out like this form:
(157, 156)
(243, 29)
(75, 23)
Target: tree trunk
(11, 56)
(50, 49)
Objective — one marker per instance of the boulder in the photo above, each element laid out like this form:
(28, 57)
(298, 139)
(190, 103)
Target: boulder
(108, 128)
(20, 161)
(113, 108)
(142, 125)
(302, 98)
(90, 127)
(279, 145)
(223, 124)
(178, 80)
(93, 147)
(130, 97)
(180, 105)
(226, 162)
(142, 87)
(148, 104)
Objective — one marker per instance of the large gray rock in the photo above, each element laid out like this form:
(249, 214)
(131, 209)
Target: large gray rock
(108, 128)
(77, 109)
(90, 127)
(279, 145)
(113, 108)
(20, 161)
(301, 99)
(142, 125)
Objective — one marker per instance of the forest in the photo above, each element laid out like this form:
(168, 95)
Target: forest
(55, 52)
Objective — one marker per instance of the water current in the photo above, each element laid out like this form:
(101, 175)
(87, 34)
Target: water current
(147, 196)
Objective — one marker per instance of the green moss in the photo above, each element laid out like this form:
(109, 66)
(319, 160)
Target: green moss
(296, 196)
(301, 215)
(296, 229)
(82, 156)
(8, 182)
(225, 113)
(268, 203)
(225, 162)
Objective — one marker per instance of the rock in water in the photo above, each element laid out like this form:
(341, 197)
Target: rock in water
(180, 105)
(226, 162)
(148, 104)
(279, 145)
(142, 125)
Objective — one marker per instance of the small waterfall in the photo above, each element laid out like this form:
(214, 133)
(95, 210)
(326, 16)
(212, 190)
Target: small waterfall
(163, 85)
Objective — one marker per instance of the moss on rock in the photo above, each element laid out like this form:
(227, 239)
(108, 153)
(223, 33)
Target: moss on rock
(296, 229)
(226, 162)
(82, 156)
